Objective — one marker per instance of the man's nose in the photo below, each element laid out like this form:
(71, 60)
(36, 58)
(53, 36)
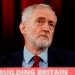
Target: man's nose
(46, 27)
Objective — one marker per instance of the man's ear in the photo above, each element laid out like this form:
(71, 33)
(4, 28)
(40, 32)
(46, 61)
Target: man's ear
(22, 28)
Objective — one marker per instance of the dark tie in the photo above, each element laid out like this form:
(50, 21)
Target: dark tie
(36, 61)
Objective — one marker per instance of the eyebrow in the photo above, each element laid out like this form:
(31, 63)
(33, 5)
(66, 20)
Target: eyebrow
(45, 18)
(41, 18)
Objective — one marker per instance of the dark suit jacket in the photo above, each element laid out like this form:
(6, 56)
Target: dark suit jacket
(56, 58)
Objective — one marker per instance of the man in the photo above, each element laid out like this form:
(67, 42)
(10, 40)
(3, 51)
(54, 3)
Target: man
(37, 26)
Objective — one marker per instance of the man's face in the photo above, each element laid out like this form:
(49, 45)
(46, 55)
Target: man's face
(40, 28)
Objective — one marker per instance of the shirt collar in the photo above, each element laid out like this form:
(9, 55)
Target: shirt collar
(44, 55)
(28, 55)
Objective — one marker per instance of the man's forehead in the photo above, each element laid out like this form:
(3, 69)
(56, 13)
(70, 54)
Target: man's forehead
(43, 13)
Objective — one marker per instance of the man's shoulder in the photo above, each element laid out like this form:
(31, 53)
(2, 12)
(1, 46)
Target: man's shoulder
(10, 57)
(12, 54)
(62, 57)
(61, 51)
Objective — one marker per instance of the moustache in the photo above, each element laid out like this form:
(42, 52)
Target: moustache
(44, 35)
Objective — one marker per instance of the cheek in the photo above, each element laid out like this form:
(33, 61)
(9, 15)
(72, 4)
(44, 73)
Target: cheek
(38, 30)
(51, 33)
(31, 31)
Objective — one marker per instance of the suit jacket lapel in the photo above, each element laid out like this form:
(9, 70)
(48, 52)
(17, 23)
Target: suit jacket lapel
(50, 58)
(53, 59)
(18, 62)
(15, 61)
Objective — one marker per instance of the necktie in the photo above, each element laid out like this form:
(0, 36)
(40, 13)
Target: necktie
(36, 61)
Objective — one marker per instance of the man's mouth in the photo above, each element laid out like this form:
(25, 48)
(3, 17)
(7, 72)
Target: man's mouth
(44, 36)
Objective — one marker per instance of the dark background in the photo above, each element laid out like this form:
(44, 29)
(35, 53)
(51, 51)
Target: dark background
(11, 39)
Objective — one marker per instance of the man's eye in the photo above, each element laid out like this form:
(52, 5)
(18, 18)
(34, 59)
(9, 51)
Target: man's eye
(51, 24)
(39, 21)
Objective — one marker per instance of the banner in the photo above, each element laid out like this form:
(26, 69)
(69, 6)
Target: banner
(38, 71)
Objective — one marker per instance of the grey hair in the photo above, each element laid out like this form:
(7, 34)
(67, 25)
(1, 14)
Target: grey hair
(26, 14)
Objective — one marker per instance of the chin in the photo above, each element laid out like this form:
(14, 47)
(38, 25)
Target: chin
(43, 44)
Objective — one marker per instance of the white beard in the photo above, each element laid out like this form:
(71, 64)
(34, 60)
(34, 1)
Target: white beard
(42, 43)
(39, 42)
